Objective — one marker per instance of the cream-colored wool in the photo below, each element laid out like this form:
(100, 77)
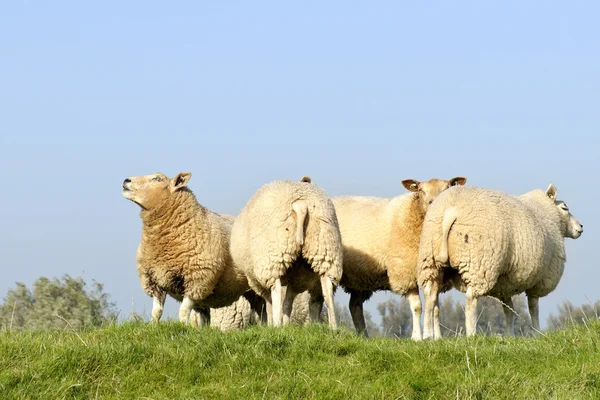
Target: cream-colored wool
(381, 240)
(242, 313)
(184, 251)
(287, 235)
(485, 242)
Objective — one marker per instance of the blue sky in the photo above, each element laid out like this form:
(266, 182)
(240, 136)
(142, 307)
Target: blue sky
(357, 96)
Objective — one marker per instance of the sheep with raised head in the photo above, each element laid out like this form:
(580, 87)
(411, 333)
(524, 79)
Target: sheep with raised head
(287, 235)
(485, 242)
(381, 240)
(184, 250)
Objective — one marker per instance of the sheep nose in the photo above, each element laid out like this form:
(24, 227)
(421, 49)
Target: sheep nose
(126, 181)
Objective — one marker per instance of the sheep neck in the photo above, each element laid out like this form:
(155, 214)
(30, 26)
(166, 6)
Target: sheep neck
(177, 210)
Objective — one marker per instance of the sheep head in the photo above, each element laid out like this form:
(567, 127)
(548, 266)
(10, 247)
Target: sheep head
(429, 190)
(150, 191)
(570, 227)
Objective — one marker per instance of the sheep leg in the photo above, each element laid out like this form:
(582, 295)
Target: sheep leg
(356, 310)
(194, 319)
(276, 303)
(507, 306)
(269, 310)
(158, 303)
(258, 306)
(288, 302)
(185, 309)
(431, 293)
(534, 311)
(204, 314)
(315, 305)
(471, 312)
(436, 318)
(414, 300)
(327, 288)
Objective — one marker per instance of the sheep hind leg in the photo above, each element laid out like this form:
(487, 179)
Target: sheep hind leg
(414, 300)
(204, 313)
(315, 305)
(534, 311)
(437, 331)
(288, 302)
(431, 294)
(327, 288)
(471, 312)
(276, 303)
(356, 311)
(507, 306)
(185, 309)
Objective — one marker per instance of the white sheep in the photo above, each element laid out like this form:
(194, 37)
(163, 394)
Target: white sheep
(184, 251)
(381, 240)
(485, 242)
(287, 235)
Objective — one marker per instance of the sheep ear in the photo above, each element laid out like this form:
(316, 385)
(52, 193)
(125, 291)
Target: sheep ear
(411, 185)
(551, 192)
(181, 180)
(306, 179)
(458, 181)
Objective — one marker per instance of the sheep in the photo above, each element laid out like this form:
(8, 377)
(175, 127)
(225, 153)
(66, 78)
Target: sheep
(287, 237)
(242, 313)
(485, 242)
(238, 315)
(184, 250)
(381, 238)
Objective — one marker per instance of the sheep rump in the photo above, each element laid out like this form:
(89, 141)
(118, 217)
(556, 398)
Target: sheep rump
(287, 235)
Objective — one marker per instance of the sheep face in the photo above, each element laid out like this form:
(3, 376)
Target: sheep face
(570, 227)
(429, 190)
(151, 191)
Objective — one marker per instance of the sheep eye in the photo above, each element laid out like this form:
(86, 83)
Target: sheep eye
(157, 179)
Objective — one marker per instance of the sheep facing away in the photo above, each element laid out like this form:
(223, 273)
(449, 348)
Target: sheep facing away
(287, 236)
(184, 251)
(381, 239)
(485, 242)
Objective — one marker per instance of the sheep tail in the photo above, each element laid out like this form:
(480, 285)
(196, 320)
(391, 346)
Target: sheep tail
(300, 207)
(450, 216)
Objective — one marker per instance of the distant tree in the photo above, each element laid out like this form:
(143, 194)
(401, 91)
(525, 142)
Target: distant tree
(56, 303)
(490, 317)
(396, 317)
(569, 314)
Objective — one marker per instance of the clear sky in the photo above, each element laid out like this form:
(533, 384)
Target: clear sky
(358, 95)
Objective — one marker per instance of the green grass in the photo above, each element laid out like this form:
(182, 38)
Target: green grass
(170, 361)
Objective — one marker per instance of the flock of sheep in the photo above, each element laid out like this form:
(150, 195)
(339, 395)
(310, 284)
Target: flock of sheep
(283, 256)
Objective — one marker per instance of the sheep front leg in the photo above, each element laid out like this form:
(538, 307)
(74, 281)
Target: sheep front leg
(414, 300)
(507, 306)
(534, 311)
(158, 303)
(471, 312)
(288, 303)
(356, 311)
(276, 303)
(431, 293)
(185, 309)
(327, 288)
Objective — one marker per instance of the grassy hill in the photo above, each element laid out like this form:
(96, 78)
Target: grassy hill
(170, 361)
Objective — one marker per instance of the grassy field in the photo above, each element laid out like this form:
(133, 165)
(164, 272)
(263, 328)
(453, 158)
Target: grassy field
(170, 361)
